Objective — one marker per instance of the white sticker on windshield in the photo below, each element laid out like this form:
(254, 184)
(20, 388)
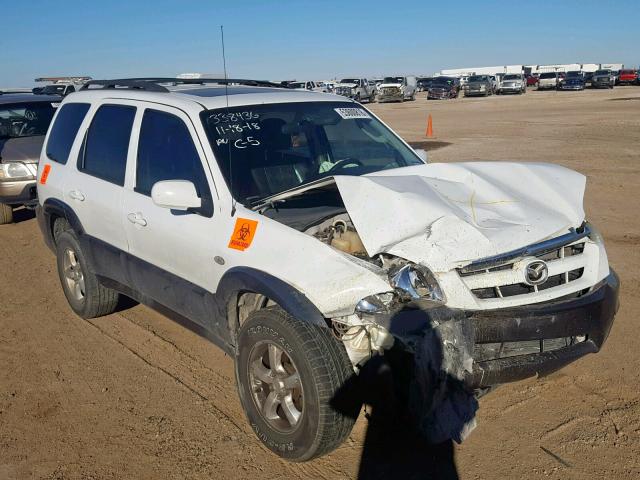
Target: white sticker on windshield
(55, 105)
(350, 113)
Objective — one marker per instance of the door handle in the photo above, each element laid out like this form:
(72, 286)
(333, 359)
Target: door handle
(137, 218)
(77, 195)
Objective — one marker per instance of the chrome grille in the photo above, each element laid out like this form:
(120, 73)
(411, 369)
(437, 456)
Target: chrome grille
(565, 261)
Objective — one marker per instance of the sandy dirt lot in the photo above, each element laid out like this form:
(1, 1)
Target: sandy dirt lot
(133, 395)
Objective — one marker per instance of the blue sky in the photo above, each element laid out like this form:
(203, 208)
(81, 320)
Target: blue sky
(303, 39)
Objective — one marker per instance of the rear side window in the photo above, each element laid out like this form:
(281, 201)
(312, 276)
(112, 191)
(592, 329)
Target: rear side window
(166, 152)
(64, 131)
(104, 152)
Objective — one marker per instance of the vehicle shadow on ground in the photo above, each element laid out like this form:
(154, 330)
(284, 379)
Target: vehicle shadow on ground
(394, 385)
(23, 215)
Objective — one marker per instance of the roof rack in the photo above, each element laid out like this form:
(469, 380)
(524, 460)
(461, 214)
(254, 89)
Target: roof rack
(154, 84)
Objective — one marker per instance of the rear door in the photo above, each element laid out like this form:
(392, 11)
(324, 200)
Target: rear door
(172, 252)
(94, 185)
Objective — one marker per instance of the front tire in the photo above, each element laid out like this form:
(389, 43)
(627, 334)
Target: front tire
(6, 214)
(287, 372)
(86, 296)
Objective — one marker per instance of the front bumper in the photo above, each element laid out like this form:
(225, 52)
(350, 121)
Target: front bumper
(587, 318)
(510, 89)
(572, 87)
(22, 192)
(439, 95)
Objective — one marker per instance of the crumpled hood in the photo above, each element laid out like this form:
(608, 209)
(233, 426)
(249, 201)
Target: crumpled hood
(446, 215)
(21, 149)
(348, 85)
(383, 85)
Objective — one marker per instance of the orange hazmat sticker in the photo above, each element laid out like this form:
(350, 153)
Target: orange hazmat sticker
(45, 174)
(243, 234)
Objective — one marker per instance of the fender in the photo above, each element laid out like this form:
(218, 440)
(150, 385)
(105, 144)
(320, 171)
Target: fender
(242, 279)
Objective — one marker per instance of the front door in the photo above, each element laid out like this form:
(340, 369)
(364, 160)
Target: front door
(172, 252)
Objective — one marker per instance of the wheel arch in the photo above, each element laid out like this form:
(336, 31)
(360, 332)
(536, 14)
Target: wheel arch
(259, 289)
(47, 214)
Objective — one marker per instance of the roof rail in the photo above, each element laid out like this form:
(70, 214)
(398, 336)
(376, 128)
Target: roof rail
(154, 84)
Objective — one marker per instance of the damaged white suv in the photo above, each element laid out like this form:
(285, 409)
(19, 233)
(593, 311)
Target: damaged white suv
(301, 235)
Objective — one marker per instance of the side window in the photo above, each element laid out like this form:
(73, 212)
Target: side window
(64, 131)
(166, 152)
(104, 152)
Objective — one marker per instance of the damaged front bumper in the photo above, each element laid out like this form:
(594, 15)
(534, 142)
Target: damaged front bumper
(506, 345)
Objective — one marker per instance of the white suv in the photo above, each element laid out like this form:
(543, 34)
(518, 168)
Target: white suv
(301, 235)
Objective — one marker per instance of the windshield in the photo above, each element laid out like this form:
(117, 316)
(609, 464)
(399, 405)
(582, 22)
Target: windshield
(393, 80)
(276, 147)
(574, 74)
(350, 80)
(511, 77)
(602, 72)
(441, 82)
(25, 119)
(478, 78)
(548, 75)
(297, 85)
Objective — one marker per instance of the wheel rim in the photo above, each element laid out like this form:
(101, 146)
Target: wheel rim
(276, 387)
(73, 276)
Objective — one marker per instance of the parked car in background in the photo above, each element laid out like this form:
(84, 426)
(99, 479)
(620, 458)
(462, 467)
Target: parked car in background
(512, 83)
(603, 79)
(532, 79)
(24, 120)
(548, 81)
(495, 81)
(479, 85)
(309, 85)
(355, 88)
(424, 83)
(573, 81)
(397, 89)
(62, 86)
(627, 77)
(587, 78)
(443, 88)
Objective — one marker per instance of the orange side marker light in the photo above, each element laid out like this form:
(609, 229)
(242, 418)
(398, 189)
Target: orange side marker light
(45, 174)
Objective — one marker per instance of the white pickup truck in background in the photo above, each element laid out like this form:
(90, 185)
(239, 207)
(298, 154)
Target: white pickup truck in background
(397, 89)
(356, 88)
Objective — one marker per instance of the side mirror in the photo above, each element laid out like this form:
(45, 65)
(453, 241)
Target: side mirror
(422, 154)
(175, 194)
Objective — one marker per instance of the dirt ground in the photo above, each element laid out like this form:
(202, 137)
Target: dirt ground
(133, 395)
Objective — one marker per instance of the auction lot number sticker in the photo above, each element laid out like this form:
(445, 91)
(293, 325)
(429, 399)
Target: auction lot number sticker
(350, 113)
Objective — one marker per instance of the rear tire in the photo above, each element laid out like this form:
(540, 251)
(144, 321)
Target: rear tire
(6, 214)
(287, 372)
(86, 296)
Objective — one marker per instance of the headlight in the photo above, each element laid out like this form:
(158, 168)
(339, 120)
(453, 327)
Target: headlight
(14, 171)
(482, 87)
(378, 303)
(416, 283)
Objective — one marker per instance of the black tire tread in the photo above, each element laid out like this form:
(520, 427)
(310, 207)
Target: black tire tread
(99, 300)
(331, 368)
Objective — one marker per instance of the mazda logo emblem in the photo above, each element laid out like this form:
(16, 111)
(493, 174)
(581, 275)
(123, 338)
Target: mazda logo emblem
(536, 273)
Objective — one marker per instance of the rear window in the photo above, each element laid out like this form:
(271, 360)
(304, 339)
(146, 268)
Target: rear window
(64, 131)
(104, 152)
(548, 75)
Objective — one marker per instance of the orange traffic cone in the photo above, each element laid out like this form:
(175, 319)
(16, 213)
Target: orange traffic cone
(429, 127)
